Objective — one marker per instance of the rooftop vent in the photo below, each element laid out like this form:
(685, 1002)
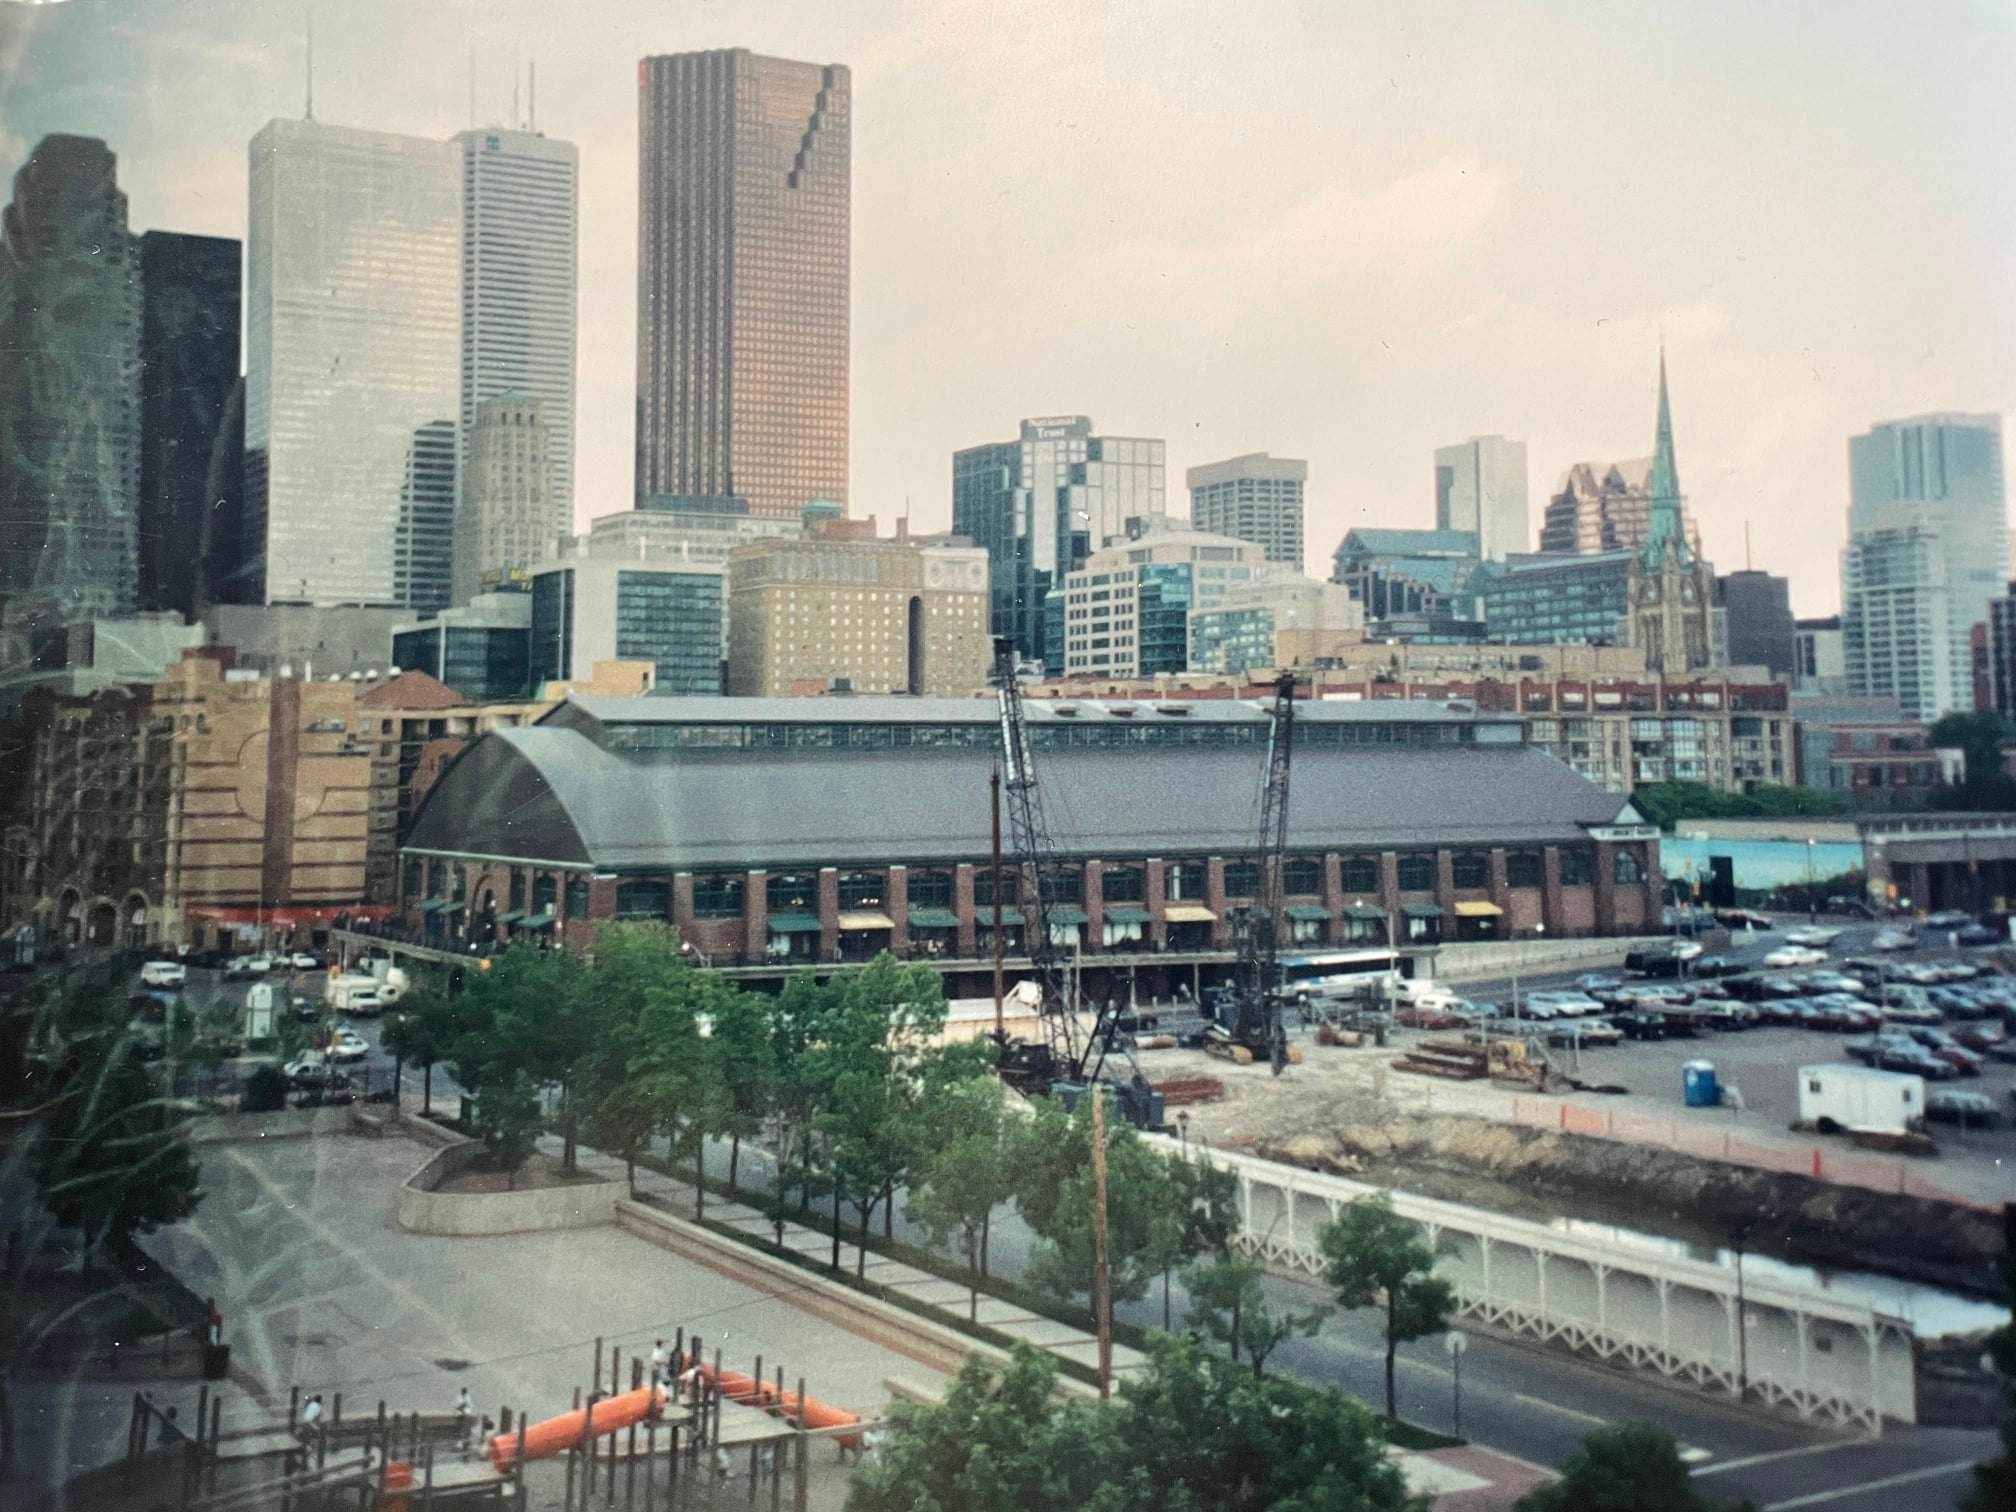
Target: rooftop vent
(1123, 711)
(1174, 711)
(1065, 711)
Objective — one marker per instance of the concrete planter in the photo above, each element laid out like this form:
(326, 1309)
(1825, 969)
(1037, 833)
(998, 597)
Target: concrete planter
(423, 1209)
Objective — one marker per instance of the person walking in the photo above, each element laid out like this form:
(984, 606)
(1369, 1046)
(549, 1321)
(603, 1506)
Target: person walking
(658, 1362)
(465, 1413)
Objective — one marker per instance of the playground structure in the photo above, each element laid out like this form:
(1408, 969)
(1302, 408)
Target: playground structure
(701, 1436)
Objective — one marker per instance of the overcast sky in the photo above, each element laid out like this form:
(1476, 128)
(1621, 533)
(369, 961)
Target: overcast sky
(1341, 231)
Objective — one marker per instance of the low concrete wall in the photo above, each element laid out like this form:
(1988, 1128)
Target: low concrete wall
(284, 1123)
(422, 1209)
(1496, 958)
(935, 1344)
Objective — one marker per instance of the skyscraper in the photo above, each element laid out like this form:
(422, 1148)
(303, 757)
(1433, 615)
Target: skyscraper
(1759, 610)
(520, 240)
(1605, 506)
(1039, 505)
(190, 478)
(69, 396)
(744, 173)
(1254, 498)
(1480, 485)
(1921, 489)
(353, 347)
(506, 523)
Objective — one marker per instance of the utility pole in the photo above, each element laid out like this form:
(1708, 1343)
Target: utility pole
(994, 793)
(1102, 1278)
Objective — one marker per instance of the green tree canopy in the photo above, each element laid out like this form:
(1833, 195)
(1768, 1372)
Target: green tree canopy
(1624, 1467)
(112, 1158)
(1228, 1303)
(509, 1121)
(966, 1171)
(1994, 1487)
(1147, 1210)
(1371, 1255)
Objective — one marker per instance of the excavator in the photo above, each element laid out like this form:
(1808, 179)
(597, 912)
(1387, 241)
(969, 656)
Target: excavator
(1248, 1010)
(1070, 1055)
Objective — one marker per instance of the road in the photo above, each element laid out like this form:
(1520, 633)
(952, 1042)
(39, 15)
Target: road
(1522, 1400)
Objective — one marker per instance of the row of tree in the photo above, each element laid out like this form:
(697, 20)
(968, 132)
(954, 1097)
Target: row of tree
(857, 1101)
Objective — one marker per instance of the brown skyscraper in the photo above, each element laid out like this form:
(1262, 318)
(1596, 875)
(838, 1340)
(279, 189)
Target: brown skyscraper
(742, 279)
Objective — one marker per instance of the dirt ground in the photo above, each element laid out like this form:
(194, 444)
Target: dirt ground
(1348, 1112)
(537, 1173)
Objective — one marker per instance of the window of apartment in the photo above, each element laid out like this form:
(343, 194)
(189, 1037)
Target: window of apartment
(1361, 874)
(1242, 879)
(1183, 881)
(1417, 871)
(792, 892)
(1576, 868)
(1470, 869)
(1523, 869)
(641, 898)
(1302, 875)
(1122, 884)
(718, 895)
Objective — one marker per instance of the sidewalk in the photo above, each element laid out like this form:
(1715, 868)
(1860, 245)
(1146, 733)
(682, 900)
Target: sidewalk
(948, 1299)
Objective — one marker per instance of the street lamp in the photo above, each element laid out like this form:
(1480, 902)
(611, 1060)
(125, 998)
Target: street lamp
(687, 947)
(1183, 1129)
(1456, 1343)
(1538, 930)
(1812, 903)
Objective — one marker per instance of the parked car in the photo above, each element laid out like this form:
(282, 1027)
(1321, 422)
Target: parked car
(1428, 1016)
(1915, 1059)
(346, 1045)
(1912, 1013)
(304, 960)
(1715, 966)
(1948, 1049)
(1585, 1032)
(1593, 982)
(172, 975)
(1565, 1002)
(1948, 918)
(1640, 1023)
(1894, 939)
(1832, 981)
(304, 1008)
(1812, 934)
(1726, 1015)
(1794, 955)
(1968, 1109)
(1662, 961)
(1979, 1038)
(1741, 918)
(1869, 1051)
(308, 1069)
(1981, 934)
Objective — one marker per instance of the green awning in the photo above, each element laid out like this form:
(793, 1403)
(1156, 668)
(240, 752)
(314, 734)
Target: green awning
(794, 923)
(988, 914)
(1308, 911)
(933, 918)
(434, 905)
(1127, 916)
(538, 921)
(1063, 914)
(510, 918)
(1422, 911)
(1364, 911)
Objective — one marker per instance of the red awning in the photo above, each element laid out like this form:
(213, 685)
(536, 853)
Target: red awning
(292, 917)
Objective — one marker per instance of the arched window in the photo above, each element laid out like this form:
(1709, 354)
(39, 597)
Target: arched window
(1417, 872)
(1625, 868)
(1361, 874)
(1302, 876)
(577, 897)
(640, 898)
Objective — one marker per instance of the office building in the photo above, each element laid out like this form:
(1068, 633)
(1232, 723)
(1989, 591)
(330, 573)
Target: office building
(1282, 622)
(1480, 487)
(520, 275)
(1820, 665)
(1997, 637)
(1424, 578)
(867, 616)
(743, 246)
(353, 351)
(843, 827)
(1255, 498)
(297, 640)
(1126, 611)
(1541, 597)
(1606, 506)
(587, 610)
(480, 650)
(1761, 631)
(191, 473)
(691, 530)
(1038, 506)
(508, 519)
(1932, 488)
(135, 648)
(1869, 750)
(69, 399)
(1897, 622)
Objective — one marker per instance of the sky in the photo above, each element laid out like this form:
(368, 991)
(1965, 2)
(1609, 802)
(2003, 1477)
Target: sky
(1342, 231)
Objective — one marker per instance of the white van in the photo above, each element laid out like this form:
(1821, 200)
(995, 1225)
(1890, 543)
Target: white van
(355, 994)
(164, 974)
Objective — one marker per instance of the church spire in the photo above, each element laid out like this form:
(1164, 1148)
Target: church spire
(1664, 524)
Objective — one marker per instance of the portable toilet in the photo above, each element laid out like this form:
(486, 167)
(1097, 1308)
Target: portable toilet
(1697, 1084)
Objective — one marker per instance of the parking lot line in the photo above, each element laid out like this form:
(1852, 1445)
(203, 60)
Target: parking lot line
(1780, 1454)
(1839, 1493)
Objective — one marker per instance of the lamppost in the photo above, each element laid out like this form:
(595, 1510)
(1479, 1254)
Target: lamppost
(1183, 1130)
(1538, 931)
(1456, 1343)
(687, 947)
(1812, 903)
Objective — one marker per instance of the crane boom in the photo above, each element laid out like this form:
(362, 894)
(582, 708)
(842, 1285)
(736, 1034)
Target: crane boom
(1256, 1018)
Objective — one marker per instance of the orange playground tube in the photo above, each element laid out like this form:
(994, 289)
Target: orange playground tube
(558, 1434)
(747, 1391)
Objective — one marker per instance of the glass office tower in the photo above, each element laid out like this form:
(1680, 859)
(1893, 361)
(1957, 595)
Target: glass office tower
(744, 200)
(353, 348)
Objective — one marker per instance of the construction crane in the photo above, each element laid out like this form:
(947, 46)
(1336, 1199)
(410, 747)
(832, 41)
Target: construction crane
(1069, 1053)
(1255, 997)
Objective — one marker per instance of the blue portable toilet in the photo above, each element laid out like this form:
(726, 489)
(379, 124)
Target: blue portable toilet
(1697, 1084)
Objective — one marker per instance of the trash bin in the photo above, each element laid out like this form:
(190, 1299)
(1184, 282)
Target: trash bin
(216, 1361)
(1697, 1084)
(1379, 1031)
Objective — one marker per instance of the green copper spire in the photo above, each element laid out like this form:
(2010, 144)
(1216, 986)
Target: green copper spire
(1663, 524)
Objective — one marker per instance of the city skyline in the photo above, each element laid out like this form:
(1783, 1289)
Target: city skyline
(1788, 334)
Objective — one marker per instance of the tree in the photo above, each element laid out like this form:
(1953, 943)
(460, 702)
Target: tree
(796, 1021)
(743, 1058)
(1995, 1479)
(1371, 1253)
(414, 1034)
(671, 1064)
(1978, 736)
(1622, 1467)
(1147, 1209)
(508, 1121)
(1229, 1304)
(265, 1091)
(529, 1013)
(967, 1173)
